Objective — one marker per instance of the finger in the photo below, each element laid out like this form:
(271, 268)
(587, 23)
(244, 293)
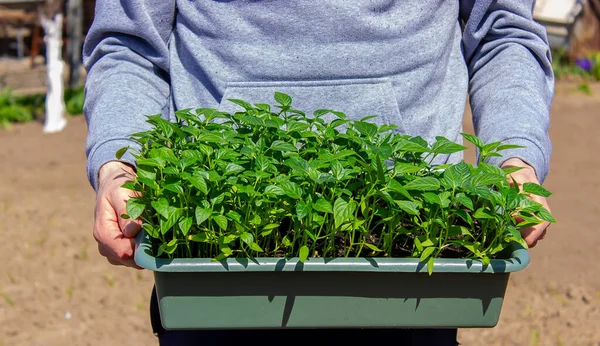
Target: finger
(104, 251)
(112, 243)
(533, 234)
(130, 228)
(113, 257)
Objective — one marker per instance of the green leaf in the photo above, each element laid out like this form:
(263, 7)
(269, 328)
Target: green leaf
(426, 253)
(262, 163)
(147, 182)
(454, 231)
(274, 123)
(463, 170)
(303, 253)
(268, 229)
(234, 216)
(291, 189)
(168, 248)
(432, 198)
(247, 238)
(310, 234)
(171, 170)
(453, 177)
(464, 200)
(418, 244)
(321, 112)
(241, 103)
(395, 186)
(217, 200)
(485, 260)
(176, 188)
(282, 146)
(296, 126)
(186, 162)
(167, 224)
(464, 215)
(165, 154)
(273, 190)
(380, 170)
(410, 207)
(221, 221)
(251, 120)
(364, 128)
(233, 168)
(509, 146)
(471, 247)
(297, 164)
(509, 170)
(384, 150)
(210, 138)
(473, 139)
(199, 183)
(428, 241)
(536, 189)
(198, 237)
(528, 221)
(423, 184)
(323, 206)
(302, 209)
(373, 247)
(130, 185)
(342, 211)
(338, 170)
(256, 247)
(430, 265)
(185, 225)
(202, 214)
(151, 230)
(545, 215)
(444, 146)
(410, 146)
(406, 168)
(369, 117)
(486, 179)
(121, 152)
(153, 162)
(283, 99)
(207, 150)
(161, 206)
(256, 220)
(135, 208)
(482, 213)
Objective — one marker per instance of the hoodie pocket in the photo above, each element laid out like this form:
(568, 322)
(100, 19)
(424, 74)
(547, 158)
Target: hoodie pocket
(357, 98)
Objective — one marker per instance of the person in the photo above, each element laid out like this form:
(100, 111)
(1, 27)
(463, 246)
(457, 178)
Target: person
(411, 63)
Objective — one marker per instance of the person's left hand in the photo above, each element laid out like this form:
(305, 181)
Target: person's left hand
(532, 234)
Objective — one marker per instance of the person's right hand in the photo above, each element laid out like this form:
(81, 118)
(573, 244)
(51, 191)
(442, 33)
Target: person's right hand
(115, 235)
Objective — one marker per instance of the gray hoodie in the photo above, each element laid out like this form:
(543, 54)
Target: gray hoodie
(409, 62)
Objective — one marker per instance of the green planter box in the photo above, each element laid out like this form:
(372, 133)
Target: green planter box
(328, 293)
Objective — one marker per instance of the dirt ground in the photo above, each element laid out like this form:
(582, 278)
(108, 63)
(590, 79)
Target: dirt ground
(55, 289)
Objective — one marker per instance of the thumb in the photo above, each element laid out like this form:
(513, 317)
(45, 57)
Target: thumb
(129, 227)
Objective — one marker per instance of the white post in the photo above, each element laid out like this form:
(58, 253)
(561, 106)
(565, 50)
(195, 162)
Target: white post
(55, 119)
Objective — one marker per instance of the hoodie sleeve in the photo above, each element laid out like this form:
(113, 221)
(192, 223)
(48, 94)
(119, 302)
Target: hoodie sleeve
(126, 57)
(511, 79)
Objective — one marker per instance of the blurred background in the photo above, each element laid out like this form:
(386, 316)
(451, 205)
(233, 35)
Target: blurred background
(55, 289)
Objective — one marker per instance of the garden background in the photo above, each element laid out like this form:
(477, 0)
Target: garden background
(55, 289)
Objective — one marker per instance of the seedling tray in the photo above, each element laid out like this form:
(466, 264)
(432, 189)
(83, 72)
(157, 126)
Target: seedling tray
(328, 293)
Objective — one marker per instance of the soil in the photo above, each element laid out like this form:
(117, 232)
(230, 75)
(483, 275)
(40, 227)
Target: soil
(55, 289)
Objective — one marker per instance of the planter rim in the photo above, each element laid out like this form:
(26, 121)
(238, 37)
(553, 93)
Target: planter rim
(517, 260)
